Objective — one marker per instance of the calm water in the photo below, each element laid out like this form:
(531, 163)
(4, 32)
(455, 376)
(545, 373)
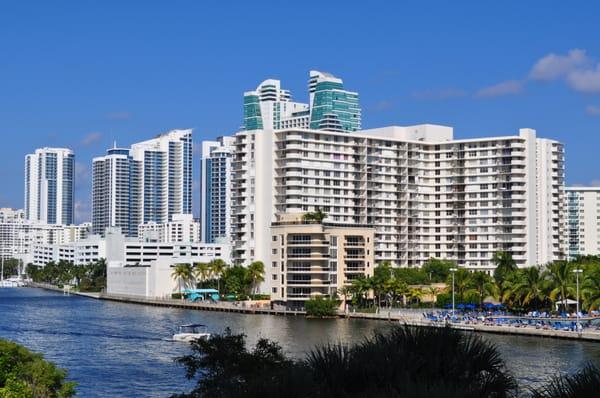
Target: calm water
(118, 350)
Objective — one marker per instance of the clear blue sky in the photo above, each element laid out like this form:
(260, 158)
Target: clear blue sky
(81, 74)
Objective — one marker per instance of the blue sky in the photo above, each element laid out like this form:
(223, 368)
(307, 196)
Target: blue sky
(82, 74)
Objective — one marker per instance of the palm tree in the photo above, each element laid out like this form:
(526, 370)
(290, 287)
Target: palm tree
(345, 291)
(483, 284)
(584, 383)
(201, 272)
(415, 294)
(433, 291)
(504, 266)
(317, 215)
(590, 289)
(527, 287)
(560, 278)
(462, 281)
(217, 266)
(256, 274)
(360, 287)
(182, 273)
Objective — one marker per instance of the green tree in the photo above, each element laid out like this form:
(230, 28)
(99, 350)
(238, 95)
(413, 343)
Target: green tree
(505, 264)
(183, 274)
(462, 282)
(321, 307)
(24, 374)
(217, 267)
(401, 362)
(236, 280)
(483, 285)
(318, 215)
(256, 274)
(10, 267)
(560, 279)
(201, 272)
(437, 270)
(590, 288)
(382, 274)
(526, 286)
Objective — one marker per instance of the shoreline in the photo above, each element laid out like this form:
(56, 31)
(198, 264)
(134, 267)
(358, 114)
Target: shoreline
(242, 309)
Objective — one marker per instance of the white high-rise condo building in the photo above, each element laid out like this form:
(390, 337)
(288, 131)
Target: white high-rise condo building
(425, 193)
(49, 186)
(583, 221)
(215, 189)
(150, 182)
(116, 192)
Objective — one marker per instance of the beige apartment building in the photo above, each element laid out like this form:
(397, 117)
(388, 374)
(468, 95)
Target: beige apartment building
(310, 259)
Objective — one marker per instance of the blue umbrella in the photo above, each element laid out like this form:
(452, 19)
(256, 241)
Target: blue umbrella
(460, 306)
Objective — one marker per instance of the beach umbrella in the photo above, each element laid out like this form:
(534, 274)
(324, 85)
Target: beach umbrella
(460, 306)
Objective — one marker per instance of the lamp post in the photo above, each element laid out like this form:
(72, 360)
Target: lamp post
(577, 271)
(453, 270)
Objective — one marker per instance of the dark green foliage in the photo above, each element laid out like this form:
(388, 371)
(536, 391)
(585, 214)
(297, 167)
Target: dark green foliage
(437, 270)
(90, 277)
(11, 267)
(585, 383)
(24, 374)
(321, 307)
(226, 368)
(406, 362)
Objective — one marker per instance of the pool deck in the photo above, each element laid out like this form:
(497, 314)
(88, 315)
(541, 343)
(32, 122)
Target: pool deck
(412, 319)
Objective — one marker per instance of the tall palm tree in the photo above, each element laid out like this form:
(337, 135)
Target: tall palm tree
(345, 291)
(560, 278)
(433, 291)
(505, 265)
(528, 287)
(590, 289)
(483, 284)
(217, 266)
(201, 272)
(256, 274)
(462, 281)
(182, 273)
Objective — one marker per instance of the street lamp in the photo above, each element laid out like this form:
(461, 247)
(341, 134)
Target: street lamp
(453, 270)
(577, 271)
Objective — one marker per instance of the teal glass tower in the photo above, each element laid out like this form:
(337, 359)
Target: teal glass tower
(332, 108)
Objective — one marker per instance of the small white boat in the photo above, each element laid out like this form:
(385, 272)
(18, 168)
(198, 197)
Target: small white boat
(191, 332)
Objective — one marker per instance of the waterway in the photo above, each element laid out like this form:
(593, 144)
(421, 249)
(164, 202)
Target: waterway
(120, 350)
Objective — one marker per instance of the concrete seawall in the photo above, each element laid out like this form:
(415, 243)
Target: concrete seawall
(412, 320)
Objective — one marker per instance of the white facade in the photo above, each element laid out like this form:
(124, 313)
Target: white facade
(182, 229)
(150, 182)
(119, 250)
(166, 175)
(583, 220)
(154, 281)
(18, 236)
(215, 189)
(425, 193)
(49, 186)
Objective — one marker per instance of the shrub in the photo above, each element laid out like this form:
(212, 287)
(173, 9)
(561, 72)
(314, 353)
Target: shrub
(26, 374)
(321, 307)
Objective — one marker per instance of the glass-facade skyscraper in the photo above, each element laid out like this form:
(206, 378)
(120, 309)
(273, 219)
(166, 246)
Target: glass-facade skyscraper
(49, 186)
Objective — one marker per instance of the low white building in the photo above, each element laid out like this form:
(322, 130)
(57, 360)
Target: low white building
(154, 281)
(18, 236)
(119, 250)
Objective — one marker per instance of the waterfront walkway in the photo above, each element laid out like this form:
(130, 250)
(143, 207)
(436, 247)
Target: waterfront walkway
(413, 318)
